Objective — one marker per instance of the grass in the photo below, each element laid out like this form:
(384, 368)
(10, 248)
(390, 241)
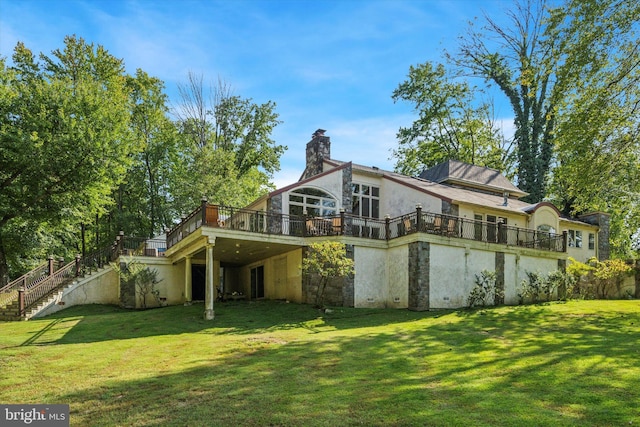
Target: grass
(272, 363)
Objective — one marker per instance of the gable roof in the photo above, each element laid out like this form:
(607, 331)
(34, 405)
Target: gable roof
(444, 192)
(454, 172)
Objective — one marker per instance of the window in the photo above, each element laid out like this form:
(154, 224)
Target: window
(365, 200)
(313, 201)
(575, 238)
(592, 241)
(547, 228)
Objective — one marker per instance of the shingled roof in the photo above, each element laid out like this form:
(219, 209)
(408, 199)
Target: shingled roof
(461, 174)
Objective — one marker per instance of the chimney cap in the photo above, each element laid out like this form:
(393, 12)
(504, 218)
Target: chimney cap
(319, 132)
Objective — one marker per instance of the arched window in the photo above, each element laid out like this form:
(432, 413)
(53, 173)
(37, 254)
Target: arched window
(547, 228)
(312, 200)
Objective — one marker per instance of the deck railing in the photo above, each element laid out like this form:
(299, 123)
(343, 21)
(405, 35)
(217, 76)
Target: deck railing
(41, 282)
(351, 225)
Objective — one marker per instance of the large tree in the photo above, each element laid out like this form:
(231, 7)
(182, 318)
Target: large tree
(142, 201)
(450, 126)
(571, 76)
(515, 58)
(597, 60)
(65, 140)
(227, 154)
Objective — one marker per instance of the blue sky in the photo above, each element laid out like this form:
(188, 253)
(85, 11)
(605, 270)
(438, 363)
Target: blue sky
(326, 64)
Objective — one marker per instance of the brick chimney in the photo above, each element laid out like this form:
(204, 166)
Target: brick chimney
(318, 149)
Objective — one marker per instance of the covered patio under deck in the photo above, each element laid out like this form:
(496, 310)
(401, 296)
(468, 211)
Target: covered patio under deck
(232, 253)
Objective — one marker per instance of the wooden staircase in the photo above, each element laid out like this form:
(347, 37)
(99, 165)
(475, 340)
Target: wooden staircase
(11, 312)
(24, 297)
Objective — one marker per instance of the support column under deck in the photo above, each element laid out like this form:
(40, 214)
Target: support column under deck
(210, 285)
(188, 281)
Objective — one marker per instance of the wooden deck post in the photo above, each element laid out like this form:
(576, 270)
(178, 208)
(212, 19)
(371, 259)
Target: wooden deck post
(21, 309)
(78, 258)
(52, 266)
(203, 210)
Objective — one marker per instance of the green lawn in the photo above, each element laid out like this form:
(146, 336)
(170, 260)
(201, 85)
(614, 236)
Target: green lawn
(272, 363)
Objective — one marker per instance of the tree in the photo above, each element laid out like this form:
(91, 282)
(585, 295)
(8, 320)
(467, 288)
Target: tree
(226, 153)
(571, 76)
(141, 279)
(142, 201)
(448, 126)
(327, 260)
(64, 135)
(598, 124)
(517, 62)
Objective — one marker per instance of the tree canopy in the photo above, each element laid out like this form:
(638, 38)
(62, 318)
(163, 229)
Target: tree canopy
(570, 73)
(449, 127)
(65, 137)
(84, 146)
(226, 144)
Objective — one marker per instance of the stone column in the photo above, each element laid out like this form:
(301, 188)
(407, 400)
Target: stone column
(498, 298)
(419, 275)
(188, 280)
(209, 288)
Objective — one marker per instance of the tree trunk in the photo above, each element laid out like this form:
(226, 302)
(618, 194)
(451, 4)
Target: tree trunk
(4, 267)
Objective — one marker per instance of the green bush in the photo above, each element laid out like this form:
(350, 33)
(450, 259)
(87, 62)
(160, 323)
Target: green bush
(484, 292)
(143, 278)
(531, 288)
(563, 282)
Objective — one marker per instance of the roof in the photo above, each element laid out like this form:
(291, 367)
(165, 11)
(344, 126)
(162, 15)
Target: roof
(455, 172)
(460, 195)
(444, 192)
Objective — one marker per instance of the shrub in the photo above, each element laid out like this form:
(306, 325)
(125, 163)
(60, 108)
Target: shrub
(531, 288)
(609, 275)
(563, 282)
(143, 278)
(327, 260)
(484, 292)
(598, 279)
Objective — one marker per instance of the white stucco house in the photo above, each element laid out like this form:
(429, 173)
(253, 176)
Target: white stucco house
(417, 242)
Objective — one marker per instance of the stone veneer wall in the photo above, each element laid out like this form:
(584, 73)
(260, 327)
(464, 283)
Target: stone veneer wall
(602, 220)
(499, 296)
(340, 291)
(274, 211)
(318, 149)
(127, 290)
(348, 288)
(562, 289)
(419, 269)
(347, 197)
